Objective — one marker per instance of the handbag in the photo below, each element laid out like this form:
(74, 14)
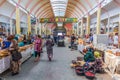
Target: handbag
(16, 55)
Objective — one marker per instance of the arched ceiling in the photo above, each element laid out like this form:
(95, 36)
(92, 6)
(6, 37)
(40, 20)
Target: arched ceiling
(54, 8)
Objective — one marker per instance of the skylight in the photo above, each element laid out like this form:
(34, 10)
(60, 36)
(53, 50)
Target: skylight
(59, 7)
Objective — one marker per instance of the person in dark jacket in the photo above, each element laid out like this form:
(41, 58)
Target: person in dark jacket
(49, 47)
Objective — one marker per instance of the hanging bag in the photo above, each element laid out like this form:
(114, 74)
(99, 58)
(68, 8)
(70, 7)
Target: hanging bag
(16, 55)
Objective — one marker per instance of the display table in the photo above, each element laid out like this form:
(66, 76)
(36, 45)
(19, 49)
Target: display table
(5, 61)
(111, 61)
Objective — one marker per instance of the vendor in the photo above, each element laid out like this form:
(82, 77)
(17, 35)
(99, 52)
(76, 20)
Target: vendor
(80, 44)
(20, 42)
(115, 40)
(89, 57)
(6, 43)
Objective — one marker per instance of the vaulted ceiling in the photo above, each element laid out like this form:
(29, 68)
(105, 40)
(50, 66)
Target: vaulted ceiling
(52, 8)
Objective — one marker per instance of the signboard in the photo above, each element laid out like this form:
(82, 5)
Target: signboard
(43, 20)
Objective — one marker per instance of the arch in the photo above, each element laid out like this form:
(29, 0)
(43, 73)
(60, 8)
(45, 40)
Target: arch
(3, 1)
(90, 5)
(28, 3)
(76, 7)
(70, 7)
(46, 12)
(40, 7)
(46, 9)
(35, 5)
(78, 1)
(19, 1)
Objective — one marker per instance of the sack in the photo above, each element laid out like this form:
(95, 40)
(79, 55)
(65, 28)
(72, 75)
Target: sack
(16, 55)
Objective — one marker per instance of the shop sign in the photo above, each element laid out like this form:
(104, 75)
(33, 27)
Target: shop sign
(50, 20)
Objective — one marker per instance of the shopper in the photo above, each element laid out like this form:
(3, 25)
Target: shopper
(80, 44)
(24, 39)
(49, 47)
(91, 38)
(37, 47)
(110, 40)
(73, 38)
(14, 55)
(115, 39)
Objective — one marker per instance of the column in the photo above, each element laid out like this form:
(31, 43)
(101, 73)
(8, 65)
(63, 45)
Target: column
(17, 20)
(36, 26)
(98, 20)
(78, 29)
(81, 28)
(40, 28)
(11, 27)
(88, 24)
(108, 25)
(29, 23)
(119, 31)
(119, 26)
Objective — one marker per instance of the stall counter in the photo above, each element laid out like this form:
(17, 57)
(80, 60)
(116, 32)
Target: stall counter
(5, 61)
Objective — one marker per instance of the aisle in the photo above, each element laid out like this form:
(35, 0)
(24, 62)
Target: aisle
(58, 69)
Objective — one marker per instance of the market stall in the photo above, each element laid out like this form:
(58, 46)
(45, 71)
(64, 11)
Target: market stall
(112, 61)
(5, 57)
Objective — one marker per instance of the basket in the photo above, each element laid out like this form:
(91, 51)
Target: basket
(73, 62)
(79, 70)
(79, 58)
(89, 74)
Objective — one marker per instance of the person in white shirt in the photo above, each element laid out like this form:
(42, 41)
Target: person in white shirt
(115, 40)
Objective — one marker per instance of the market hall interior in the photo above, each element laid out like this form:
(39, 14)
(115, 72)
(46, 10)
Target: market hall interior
(81, 32)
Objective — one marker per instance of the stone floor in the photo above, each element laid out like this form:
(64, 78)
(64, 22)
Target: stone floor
(58, 69)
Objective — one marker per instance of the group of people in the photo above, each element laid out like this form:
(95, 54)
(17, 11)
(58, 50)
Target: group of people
(13, 42)
(38, 47)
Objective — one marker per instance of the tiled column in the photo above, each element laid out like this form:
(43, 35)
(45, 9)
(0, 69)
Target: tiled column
(17, 20)
(98, 20)
(88, 24)
(29, 23)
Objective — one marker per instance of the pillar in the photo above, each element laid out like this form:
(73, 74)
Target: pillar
(36, 26)
(119, 26)
(88, 24)
(119, 31)
(98, 20)
(78, 29)
(81, 28)
(17, 20)
(40, 28)
(108, 25)
(11, 30)
(29, 23)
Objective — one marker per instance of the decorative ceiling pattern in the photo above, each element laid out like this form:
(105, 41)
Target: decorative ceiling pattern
(53, 8)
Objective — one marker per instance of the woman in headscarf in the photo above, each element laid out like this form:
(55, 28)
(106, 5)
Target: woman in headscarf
(38, 47)
(49, 47)
(14, 51)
